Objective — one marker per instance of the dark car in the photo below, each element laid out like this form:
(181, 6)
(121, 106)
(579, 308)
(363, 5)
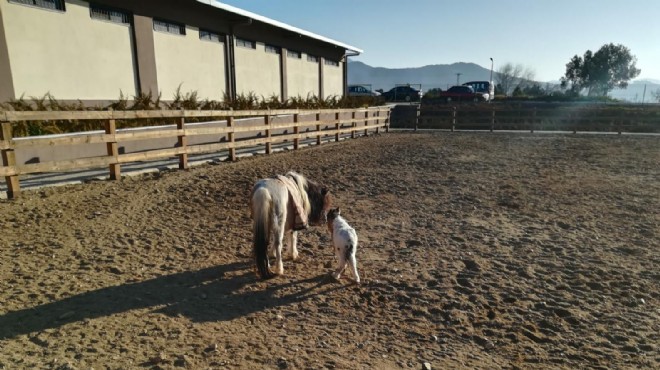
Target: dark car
(462, 93)
(359, 90)
(402, 93)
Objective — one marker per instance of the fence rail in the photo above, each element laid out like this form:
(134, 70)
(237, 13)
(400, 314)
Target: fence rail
(276, 126)
(572, 118)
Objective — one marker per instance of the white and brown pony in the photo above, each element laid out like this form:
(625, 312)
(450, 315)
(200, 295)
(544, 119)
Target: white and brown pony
(280, 206)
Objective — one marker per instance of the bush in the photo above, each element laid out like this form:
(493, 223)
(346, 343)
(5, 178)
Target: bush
(189, 101)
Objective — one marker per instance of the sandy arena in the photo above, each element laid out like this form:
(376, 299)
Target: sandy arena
(477, 250)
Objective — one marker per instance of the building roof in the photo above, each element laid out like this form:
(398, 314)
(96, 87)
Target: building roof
(257, 17)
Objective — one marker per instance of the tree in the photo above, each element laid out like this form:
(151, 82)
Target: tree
(600, 72)
(510, 76)
(656, 95)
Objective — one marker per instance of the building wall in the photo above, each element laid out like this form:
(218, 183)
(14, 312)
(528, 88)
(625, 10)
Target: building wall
(73, 56)
(194, 64)
(333, 80)
(257, 71)
(302, 77)
(68, 54)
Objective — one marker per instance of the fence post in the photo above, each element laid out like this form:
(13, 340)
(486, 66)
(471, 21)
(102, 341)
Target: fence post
(366, 122)
(533, 120)
(453, 118)
(269, 144)
(492, 119)
(417, 113)
(377, 121)
(182, 142)
(296, 131)
(113, 149)
(570, 122)
(387, 120)
(318, 128)
(232, 139)
(353, 125)
(337, 124)
(9, 160)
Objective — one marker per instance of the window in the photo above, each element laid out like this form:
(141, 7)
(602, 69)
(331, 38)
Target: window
(246, 43)
(169, 27)
(106, 14)
(209, 36)
(46, 4)
(329, 62)
(273, 49)
(293, 54)
(312, 58)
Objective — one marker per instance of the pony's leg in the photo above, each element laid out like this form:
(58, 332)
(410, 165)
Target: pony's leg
(353, 263)
(278, 233)
(293, 245)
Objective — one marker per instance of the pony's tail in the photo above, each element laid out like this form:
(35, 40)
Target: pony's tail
(261, 203)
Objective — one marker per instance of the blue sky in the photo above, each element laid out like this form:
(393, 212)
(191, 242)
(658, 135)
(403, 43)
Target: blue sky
(540, 34)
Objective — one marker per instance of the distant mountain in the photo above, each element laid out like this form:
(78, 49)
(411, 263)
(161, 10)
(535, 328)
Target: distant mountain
(431, 76)
(635, 91)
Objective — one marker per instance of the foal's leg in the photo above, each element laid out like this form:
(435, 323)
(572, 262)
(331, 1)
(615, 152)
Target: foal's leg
(341, 256)
(353, 263)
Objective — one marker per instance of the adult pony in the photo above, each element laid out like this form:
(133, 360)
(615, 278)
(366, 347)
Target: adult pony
(281, 206)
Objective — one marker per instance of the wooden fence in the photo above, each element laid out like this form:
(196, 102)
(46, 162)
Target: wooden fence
(571, 118)
(275, 127)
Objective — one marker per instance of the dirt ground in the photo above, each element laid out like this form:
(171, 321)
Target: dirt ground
(477, 250)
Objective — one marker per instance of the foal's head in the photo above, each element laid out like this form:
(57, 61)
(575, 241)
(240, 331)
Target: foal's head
(331, 216)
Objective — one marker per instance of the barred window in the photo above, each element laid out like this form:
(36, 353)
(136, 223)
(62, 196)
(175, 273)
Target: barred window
(331, 63)
(293, 54)
(209, 36)
(46, 4)
(246, 43)
(273, 49)
(169, 27)
(106, 14)
(312, 58)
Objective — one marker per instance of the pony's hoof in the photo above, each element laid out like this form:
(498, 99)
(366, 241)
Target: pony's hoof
(279, 270)
(294, 257)
(336, 276)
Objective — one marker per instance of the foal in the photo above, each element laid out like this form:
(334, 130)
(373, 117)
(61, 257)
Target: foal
(344, 240)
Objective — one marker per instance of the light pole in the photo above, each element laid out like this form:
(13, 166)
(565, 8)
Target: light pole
(458, 75)
(491, 70)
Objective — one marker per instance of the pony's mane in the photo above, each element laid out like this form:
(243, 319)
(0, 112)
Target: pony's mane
(313, 194)
(302, 183)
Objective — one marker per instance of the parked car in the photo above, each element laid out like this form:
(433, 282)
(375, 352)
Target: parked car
(485, 87)
(402, 93)
(359, 90)
(462, 93)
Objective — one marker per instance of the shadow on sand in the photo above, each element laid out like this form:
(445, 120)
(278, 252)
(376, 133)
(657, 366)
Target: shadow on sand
(203, 295)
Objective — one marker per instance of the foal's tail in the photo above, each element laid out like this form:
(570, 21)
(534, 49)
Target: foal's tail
(261, 203)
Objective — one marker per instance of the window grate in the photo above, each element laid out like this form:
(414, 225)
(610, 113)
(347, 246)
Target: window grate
(169, 27)
(312, 58)
(209, 36)
(331, 63)
(293, 54)
(105, 14)
(246, 43)
(46, 4)
(273, 49)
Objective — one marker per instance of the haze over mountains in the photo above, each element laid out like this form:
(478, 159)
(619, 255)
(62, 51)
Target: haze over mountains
(445, 75)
